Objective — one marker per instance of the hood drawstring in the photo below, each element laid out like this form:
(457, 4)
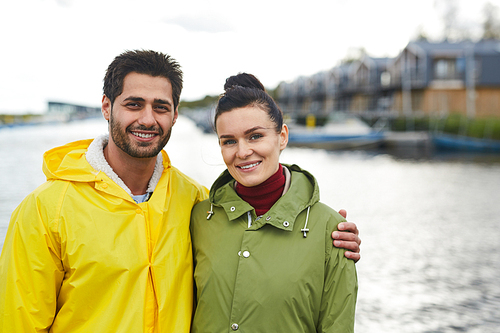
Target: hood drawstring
(305, 230)
(210, 212)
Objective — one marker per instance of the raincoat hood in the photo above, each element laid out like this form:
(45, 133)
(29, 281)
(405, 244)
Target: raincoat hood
(303, 193)
(84, 161)
(68, 163)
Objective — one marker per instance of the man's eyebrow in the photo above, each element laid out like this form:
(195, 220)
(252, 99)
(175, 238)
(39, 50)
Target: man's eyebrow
(162, 101)
(134, 99)
(140, 99)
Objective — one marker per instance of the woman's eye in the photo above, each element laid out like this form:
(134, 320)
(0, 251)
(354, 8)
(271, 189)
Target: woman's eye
(255, 136)
(228, 142)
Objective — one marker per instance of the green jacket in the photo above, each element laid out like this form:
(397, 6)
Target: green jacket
(261, 274)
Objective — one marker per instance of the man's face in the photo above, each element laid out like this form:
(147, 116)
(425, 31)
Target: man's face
(142, 116)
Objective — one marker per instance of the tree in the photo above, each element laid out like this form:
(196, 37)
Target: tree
(491, 25)
(421, 34)
(453, 28)
(353, 54)
(449, 14)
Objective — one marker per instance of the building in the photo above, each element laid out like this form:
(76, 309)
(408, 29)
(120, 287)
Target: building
(424, 78)
(66, 112)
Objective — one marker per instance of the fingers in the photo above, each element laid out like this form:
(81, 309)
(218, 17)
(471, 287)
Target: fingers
(353, 256)
(348, 226)
(353, 246)
(348, 245)
(347, 238)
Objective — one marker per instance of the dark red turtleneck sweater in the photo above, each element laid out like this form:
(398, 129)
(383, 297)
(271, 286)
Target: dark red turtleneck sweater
(263, 196)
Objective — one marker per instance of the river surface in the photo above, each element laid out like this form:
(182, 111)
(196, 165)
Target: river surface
(430, 228)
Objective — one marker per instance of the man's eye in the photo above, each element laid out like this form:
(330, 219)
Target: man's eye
(162, 108)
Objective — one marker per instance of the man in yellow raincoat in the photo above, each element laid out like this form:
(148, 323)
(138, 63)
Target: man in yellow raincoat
(104, 244)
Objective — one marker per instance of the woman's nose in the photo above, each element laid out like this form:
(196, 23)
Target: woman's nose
(244, 150)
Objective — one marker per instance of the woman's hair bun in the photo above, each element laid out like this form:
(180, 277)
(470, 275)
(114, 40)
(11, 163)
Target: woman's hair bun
(243, 80)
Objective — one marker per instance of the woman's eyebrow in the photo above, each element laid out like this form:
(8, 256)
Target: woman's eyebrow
(253, 129)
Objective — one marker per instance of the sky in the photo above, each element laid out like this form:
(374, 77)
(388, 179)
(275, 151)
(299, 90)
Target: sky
(58, 50)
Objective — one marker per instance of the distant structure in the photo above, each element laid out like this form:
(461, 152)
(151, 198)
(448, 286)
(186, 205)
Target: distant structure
(58, 111)
(424, 78)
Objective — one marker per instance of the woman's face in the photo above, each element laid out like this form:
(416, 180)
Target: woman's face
(250, 145)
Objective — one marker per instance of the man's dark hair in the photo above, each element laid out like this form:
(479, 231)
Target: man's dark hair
(143, 62)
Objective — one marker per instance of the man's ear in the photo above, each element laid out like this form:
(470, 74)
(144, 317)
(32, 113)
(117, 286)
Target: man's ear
(176, 115)
(106, 107)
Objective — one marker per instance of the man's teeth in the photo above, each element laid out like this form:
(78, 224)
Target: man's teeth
(249, 166)
(144, 136)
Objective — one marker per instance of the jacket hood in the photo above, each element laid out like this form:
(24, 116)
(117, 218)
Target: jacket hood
(68, 163)
(71, 163)
(303, 193)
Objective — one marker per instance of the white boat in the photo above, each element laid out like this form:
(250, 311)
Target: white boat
(349, 133)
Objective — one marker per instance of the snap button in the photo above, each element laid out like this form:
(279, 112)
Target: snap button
(268, 218)
(234, 327)
(233, 209)
(138, 210)
(239, 253)
(104, 186)
(286, 224)
(246, 254)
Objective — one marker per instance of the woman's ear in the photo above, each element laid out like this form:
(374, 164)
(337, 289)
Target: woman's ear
(283, 137)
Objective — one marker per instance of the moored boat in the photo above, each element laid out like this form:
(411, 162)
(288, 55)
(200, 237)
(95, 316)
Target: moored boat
(350, 133)
(459, 142)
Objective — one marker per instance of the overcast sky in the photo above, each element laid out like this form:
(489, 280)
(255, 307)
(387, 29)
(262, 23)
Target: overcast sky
(59, 49)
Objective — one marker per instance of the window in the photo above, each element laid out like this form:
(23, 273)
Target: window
(449, 69)
(385, 79)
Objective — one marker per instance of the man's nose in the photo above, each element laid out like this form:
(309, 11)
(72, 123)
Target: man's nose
(147, 117)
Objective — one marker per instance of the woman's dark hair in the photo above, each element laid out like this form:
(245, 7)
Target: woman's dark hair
(143, 62)
(244, 90)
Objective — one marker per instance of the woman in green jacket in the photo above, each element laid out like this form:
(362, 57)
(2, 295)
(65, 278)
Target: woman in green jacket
(264, 260)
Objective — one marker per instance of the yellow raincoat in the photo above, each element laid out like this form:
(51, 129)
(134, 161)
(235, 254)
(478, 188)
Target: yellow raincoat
(81, 256)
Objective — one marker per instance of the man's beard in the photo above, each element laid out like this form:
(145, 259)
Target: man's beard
(123, 141)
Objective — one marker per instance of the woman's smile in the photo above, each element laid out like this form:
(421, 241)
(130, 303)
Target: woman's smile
(248, 166)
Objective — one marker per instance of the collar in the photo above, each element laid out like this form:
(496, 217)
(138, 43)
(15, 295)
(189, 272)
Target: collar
(281, 216)
(95, 157)
(263, 196)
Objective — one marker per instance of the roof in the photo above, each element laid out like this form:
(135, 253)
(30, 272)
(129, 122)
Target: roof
(481, 47)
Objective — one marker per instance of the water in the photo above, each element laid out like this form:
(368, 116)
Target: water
(430, 229)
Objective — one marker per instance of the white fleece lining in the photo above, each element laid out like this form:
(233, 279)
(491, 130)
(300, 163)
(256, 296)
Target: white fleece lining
(95, 157)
